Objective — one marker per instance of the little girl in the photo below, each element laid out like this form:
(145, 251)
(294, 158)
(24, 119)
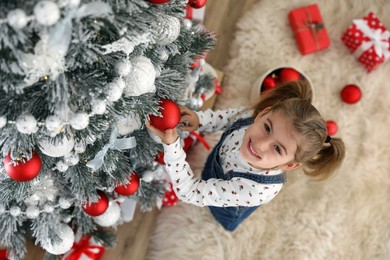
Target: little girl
(246, 168)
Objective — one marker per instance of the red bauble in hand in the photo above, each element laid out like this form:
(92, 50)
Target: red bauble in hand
(97, 208)
(268, 83)
(332, 127)
(159, 2)
(289, 74)
(197, 3)
(170, 115)
(131, 187)
(23, 171)
(351, 94)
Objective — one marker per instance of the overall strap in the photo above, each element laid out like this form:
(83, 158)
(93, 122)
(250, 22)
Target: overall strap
(239, 123)
(266, 179)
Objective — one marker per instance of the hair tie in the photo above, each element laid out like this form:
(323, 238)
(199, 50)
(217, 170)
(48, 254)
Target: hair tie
(327, 140)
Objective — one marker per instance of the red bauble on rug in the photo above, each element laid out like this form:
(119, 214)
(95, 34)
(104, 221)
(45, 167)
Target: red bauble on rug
(170, 115)
(351, 94)
(131, 187)
(97, 208)
(23, 171)
(332, 127)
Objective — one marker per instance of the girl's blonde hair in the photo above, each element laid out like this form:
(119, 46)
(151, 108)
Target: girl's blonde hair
(319, 158)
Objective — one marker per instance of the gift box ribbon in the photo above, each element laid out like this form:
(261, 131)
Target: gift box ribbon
(314, 27)
(377, 38)
(84, 247)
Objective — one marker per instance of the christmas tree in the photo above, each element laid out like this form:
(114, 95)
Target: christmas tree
(78, 80)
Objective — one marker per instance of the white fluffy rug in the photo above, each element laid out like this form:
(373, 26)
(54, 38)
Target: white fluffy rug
(346, 217)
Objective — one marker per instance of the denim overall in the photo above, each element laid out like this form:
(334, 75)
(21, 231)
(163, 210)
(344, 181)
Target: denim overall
(231, 217)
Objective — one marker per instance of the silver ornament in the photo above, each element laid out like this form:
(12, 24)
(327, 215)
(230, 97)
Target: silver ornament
(79, 121)
(3, 121)
(142, 77)
(168, 29)
(32, 212)
(15, 211)
(64, 203)
(110, 217)
(26, 124)
(48, 208)
(113, 91)
(46, 13)
(66, 218)
(67, 239)
(98, 106)
(58, 148)
(61, 166)
(148, 176)
(187, 23)
(17, 19)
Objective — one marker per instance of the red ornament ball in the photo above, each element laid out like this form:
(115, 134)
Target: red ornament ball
(289, 74)
(159, 2)
(170, 115)
(97, 208)
(197, 3)
(170, 197)
(131, 187)
(268, 83)
(23, 171)
(332, 127)
(351, 94)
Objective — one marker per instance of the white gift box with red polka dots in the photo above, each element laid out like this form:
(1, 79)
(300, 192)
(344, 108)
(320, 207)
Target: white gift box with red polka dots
(369, 41)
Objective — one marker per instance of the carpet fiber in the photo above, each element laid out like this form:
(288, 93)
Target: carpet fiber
(346, 217)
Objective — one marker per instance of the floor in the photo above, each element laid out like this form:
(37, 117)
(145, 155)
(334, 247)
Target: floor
(133, 237)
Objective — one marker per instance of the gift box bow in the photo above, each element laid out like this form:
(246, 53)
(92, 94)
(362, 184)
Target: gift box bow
(376, 38)
(83, 246)
(311, 25)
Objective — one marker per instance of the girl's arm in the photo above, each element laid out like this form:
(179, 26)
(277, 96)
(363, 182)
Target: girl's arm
(213, 192)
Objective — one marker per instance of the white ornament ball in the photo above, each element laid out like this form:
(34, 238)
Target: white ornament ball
(121, 199)
(3, 121)
(113, 91)
(67, 236)
(128, 124)
(47, 13)
(164, 55)
(17, 19)
(142, 77)
(15, 211)
(58, 148)
(110, 217)
(48, 208)
(2, 209)
(64, 203)
(79, 147)
(187, 23)
(66, 218)
(148, 176)
(53, 123)
(98, 106)
(72, 159)
(123, 67)
(79, 121)
(32, 200)
(62, 166)
(32, 212)
(168, 29)
(70, 3)
(26, 124)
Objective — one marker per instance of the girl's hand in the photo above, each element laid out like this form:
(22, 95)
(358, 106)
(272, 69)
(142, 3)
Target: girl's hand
(189, 119)
(169, 136)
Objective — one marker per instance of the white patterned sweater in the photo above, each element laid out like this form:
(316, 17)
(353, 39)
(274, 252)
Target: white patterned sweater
(217, 192)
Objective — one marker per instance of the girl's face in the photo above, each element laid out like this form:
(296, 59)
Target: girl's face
(270, 142)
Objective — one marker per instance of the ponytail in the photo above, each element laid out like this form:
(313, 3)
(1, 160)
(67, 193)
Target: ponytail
(326, 161)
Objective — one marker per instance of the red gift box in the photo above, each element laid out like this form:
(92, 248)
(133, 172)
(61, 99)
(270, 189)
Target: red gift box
(309, 29)
(368, 40)
(85, 249)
